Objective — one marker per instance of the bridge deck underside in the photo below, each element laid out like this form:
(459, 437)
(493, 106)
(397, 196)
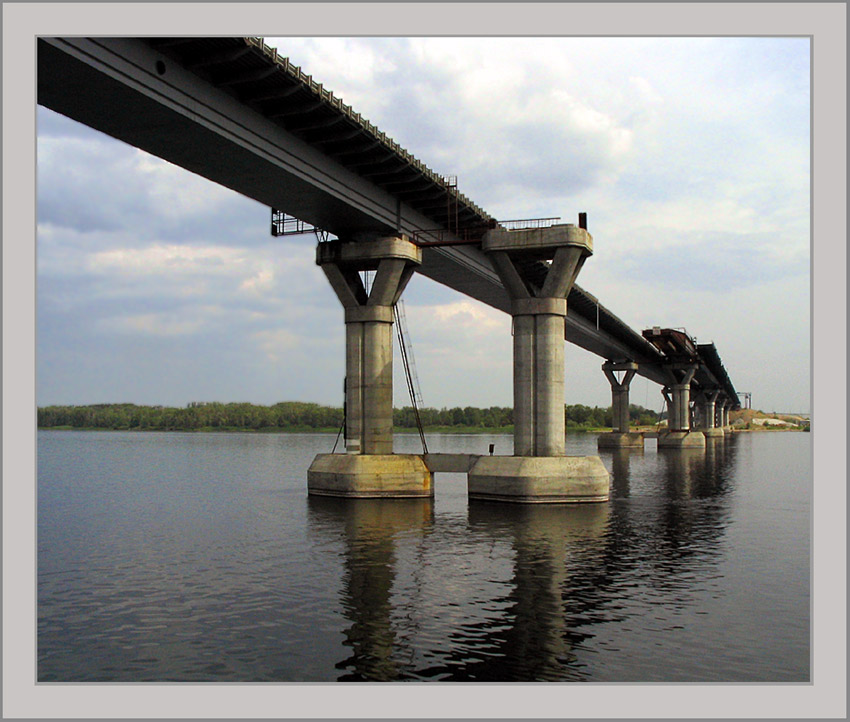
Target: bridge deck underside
(231, 111)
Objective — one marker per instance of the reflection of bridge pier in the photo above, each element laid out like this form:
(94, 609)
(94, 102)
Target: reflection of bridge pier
(369, 527)
(620, 469)
(556, 547)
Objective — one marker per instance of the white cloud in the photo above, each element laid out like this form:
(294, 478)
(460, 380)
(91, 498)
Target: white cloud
(260, 282)
(168, 259)
(276, 344)
(151, 324)
(175, 192)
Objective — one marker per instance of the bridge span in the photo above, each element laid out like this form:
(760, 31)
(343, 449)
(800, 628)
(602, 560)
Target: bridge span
(236, 113)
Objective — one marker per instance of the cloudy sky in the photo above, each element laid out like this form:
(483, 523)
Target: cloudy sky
(690, 156)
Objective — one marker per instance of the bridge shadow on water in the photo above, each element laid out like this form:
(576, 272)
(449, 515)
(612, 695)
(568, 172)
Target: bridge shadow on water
(500, 592)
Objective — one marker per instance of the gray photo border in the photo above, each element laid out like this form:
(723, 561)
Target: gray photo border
(825, 697)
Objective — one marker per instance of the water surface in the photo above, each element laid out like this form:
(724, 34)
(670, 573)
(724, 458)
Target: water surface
(200, 557)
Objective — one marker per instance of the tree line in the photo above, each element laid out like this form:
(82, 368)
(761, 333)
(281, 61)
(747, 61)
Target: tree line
(299, 416)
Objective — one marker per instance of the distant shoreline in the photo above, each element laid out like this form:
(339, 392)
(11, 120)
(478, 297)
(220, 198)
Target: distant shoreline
(502, 431)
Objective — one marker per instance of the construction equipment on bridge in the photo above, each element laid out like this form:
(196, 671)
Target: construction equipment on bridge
(474, 234)
(286, 225)
(675, 343)
(451, 203)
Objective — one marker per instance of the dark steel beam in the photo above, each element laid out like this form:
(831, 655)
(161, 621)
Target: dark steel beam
(244, 76)
(221, 57)
(295, 110)
(277, 94)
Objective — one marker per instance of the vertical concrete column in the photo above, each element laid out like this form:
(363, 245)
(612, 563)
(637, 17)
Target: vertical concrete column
(539, 307)
(525, 414)
(620, 392)
(709, 402)
(539, 376)
(679, 399)
(682, 402)
(724, 413)
(672, 409)
(538, 471)
(368, 331)
(678, 395)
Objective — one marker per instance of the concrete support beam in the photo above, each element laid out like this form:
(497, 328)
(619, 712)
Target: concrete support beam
(538, 314)
(724, 413)
(368, 331)
(708, 408)
(620, 392)
(678, 396)
(620, 436)
(538, 471)
(374, 471)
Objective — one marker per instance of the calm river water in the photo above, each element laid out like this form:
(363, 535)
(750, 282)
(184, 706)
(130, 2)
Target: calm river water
(199, 557)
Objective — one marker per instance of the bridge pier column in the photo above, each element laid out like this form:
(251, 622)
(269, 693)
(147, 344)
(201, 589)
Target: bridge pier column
(538, 472)
(708, 414)
(369, 468)
(724, 414)
(620, 436)
(678, 396)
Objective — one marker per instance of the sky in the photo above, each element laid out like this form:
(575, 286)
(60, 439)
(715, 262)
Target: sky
(691, 157)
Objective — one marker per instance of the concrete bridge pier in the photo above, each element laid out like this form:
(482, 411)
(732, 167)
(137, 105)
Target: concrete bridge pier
(538, 472)
(678, 395)
(723, 414)
(708, 414)
(369, 468)
(620, 436)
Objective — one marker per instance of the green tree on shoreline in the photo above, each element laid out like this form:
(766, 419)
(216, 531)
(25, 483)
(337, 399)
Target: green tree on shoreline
(298, 416)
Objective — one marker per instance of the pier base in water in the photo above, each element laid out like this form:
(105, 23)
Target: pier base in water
(370, 476)
(681, 440)
(620, 440)
(539, 479)
(715, 432)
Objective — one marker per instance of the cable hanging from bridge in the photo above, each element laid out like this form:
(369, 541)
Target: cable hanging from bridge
(406, 350)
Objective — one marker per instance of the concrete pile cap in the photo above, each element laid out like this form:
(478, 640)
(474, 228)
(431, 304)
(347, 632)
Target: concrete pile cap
(373, 250)
(565, 234)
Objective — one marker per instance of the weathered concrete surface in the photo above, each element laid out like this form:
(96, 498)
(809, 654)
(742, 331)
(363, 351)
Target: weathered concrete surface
(539, 479)
(714, 432)
(562, 234)
(620, 392)
(368, 331)
(370, 476)
(539, 312)
(457, 463)
(678, 396)
(681, 440)
(620, 440)
(369, 247)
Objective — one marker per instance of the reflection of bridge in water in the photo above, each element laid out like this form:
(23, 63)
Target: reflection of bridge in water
(234, 112)
(530, 593)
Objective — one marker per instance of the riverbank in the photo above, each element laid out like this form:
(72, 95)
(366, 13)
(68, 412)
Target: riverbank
(288, 429)
(483, 431)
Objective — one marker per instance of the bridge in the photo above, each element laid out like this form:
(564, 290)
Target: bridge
(235, 112)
